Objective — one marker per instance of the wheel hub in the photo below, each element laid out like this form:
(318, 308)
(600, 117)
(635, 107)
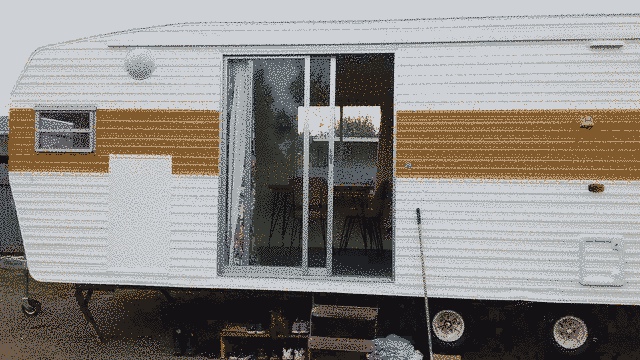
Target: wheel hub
(570, 332)
(448, 325)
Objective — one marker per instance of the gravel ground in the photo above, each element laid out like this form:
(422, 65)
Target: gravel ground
(136, 324)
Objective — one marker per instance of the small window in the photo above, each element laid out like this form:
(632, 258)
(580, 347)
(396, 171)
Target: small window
(65, 130)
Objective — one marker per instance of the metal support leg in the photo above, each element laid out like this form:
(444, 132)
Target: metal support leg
(168, 296)
(25, 273)
(30, 307)
(83, 303)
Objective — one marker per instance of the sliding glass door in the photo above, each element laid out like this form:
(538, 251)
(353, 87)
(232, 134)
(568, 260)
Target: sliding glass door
(300, 171)
(264, 161)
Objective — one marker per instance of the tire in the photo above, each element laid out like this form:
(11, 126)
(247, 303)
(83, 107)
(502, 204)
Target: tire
(570, 334)
(450, 328)
(32, 308)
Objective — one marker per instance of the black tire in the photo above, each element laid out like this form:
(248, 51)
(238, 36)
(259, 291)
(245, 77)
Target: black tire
(556, 350)
(32, 308)
(456, 347)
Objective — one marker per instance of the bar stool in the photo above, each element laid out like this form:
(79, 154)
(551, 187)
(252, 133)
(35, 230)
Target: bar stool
(281, 207)
(318, 194)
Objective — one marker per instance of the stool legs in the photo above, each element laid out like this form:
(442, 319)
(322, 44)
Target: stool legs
(280, 212)
(275, 204)
(350, 223)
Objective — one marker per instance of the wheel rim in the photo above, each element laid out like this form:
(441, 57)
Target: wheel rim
(448, 326)
(570, 332)
(28, 309)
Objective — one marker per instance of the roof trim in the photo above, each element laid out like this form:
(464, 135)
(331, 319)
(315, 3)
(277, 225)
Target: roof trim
(341, 22)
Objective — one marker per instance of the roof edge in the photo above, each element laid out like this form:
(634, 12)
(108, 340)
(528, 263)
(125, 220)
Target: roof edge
(134, 30)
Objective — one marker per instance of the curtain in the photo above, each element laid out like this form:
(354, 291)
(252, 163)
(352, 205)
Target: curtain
(241, 161)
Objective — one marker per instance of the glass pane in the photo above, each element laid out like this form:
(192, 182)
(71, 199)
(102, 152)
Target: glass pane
(320, 121)
(64, 120)
(360, 122)
(64, 140)
(240, 160)
(357, 220)
(320, 76)
(269, 227)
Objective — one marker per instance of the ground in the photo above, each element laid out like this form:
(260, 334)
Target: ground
(135, 324)
(138, 324)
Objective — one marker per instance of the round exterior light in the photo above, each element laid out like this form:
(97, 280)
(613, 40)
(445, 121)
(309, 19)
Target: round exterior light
(140, 64)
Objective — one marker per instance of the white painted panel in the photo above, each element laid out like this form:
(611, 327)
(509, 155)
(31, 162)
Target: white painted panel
(109, 80)
(188, 59)
(538, 261)
(139, 213)
(536, 75)
(602, 261)
(76, 236)
(194, 225)
(183, 79)
(523, 237)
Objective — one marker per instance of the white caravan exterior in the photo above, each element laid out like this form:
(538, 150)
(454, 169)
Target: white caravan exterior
(501, 238)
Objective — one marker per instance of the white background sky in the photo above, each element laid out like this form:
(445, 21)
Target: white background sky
(26, 25)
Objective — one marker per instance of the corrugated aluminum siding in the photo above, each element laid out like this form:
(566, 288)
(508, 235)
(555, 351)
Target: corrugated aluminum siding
(494, 240)
(194, 228)
(514, 239)
(501, 241)
(185, 78)
(188, 56)
(527, 75)
(64, 219)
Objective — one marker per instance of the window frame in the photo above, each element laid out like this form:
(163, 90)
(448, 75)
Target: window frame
(66, 109)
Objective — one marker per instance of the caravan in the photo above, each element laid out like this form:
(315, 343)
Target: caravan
(295, 156)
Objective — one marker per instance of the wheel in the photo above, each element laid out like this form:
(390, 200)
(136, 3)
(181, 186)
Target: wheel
(31, 308)
(570, 335)
(570, 332)
(449, 331)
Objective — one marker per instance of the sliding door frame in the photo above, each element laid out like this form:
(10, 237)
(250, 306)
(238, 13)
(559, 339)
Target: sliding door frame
(225, 261)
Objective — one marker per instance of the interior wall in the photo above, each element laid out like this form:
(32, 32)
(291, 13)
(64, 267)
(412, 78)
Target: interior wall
(367, 80)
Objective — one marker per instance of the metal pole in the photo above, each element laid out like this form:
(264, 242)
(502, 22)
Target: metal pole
(424, 282)
(25, 273)
(304, 244)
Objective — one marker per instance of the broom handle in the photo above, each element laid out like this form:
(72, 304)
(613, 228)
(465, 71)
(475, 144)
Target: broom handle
(424, 282)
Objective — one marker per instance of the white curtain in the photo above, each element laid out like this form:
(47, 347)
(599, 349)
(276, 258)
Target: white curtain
(241, 161)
